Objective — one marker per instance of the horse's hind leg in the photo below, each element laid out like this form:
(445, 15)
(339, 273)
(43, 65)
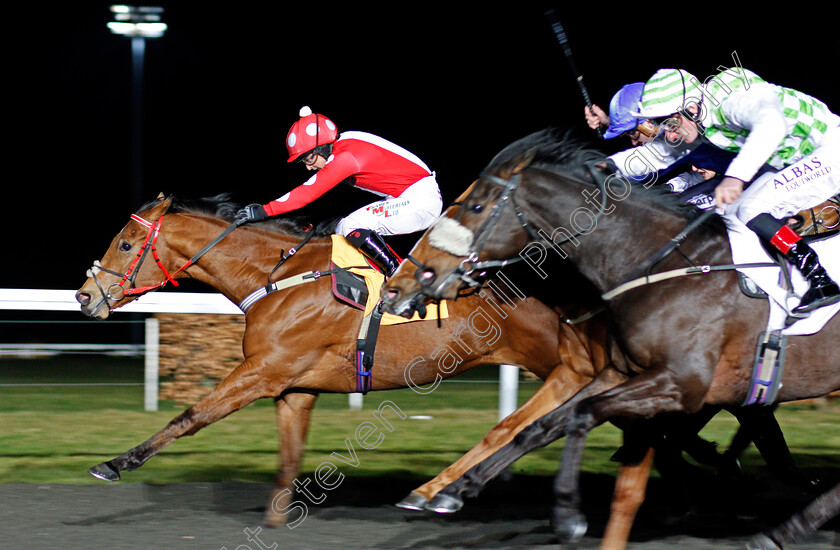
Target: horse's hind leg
(801, 525)
(759, 425)
(561, 384)
(244, 385)
(293, 416)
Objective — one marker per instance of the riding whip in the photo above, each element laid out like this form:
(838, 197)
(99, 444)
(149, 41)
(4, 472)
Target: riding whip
(560, 33)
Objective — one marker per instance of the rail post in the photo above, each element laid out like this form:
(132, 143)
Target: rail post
(152, 364)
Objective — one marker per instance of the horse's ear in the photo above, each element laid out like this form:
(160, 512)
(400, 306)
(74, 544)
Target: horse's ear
(518, 164)
(161, 207)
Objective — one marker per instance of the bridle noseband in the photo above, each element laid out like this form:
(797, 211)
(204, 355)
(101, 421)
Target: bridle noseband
(118, 291)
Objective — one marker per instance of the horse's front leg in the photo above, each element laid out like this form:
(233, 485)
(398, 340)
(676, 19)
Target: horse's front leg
(244, 385)
(293, 419)
(560, 385)
(643, 396)
(539, 433)
(630, 488)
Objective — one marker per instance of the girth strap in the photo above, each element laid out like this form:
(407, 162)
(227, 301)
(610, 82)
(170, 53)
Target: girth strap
(366, 347)
(768, 366)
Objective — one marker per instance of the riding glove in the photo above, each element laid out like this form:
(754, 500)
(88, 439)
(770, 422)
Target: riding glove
(251, 213)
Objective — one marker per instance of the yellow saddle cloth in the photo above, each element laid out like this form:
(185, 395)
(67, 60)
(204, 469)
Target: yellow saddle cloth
(346, 255)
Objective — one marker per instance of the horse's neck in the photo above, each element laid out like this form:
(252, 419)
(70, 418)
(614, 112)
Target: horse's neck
(624, 238)
(241, 262)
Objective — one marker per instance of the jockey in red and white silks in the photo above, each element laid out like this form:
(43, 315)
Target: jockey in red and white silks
(411, 197)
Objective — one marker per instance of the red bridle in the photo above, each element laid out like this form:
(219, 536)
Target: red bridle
(117, 291)
(150, 243)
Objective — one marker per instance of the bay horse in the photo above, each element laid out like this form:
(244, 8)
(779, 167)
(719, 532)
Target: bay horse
(691, 339)
(301, 341)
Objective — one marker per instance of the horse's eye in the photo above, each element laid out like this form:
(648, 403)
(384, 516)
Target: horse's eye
(476, 208)
(125, 246)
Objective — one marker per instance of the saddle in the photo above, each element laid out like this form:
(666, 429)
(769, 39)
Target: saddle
(349, 288)
(357, 284)
(817, 220)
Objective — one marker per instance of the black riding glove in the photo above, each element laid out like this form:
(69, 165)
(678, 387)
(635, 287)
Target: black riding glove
(250, 213)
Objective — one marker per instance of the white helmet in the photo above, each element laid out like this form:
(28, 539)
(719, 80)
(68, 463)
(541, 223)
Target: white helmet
(667, 92)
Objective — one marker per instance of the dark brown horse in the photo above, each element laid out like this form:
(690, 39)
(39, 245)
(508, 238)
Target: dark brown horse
(302, 341)
(691, 338)
(589, 339)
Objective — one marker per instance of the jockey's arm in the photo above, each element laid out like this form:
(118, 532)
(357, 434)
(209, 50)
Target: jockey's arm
(759, 111)
(333, 173)
(642, 162)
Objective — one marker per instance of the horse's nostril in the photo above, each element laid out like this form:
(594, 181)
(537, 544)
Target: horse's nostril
(83, 298)
(391, 295)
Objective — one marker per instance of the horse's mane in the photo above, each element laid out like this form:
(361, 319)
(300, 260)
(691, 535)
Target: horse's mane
(554, 150)
(563, 153)
(221, 206)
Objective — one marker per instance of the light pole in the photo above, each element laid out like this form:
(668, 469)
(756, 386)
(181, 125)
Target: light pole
(137, 23)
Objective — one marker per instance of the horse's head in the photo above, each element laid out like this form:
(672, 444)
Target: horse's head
(123, 272)
(483, 226)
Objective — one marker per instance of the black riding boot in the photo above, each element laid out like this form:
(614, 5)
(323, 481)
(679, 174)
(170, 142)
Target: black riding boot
(823, 291)
(373, 246)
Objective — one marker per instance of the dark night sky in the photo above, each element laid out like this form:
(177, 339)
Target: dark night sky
(453, 83)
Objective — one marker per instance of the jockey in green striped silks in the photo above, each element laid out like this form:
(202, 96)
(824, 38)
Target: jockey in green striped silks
(764, 125)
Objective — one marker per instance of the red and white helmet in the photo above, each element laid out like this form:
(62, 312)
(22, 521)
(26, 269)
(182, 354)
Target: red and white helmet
(309, 132)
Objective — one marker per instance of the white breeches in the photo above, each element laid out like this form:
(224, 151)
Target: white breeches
(415, 210)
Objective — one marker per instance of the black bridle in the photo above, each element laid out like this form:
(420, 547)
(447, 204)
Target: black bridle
(470, 264)
(508, 196)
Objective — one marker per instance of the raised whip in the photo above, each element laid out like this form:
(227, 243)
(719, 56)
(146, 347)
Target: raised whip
(560, 33)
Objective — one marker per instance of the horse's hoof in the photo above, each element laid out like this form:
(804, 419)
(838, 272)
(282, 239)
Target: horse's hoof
(444, 504)
(105, 471)
(414, 501)
(762, 542)
(272, 520)
(569, 526)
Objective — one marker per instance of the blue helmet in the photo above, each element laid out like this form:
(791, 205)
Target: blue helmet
(624, 104)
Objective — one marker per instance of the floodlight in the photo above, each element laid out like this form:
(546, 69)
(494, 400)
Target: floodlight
(137, 21)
